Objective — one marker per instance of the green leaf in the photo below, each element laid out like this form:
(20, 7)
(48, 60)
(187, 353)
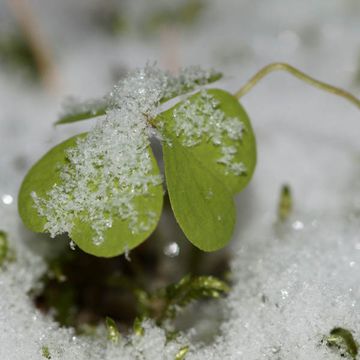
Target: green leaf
(84, 111)
(201, 189)
(184, 87)
(94, 108)
(117, 239)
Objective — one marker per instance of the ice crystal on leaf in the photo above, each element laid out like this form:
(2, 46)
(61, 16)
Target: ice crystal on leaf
(204, 119)
(108, 168)
(188, 79)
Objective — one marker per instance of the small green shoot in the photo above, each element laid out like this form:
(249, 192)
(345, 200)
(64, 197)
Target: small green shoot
(137, 327)
(182, 353)
(164, 304)
(4, 247)
(343, 340)
(285, 203)
(187, 290)
(45, 352)
(112, 330)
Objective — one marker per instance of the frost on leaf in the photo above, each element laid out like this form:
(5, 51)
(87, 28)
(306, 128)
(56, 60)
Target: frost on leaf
(106, 178)
(203, 120)
(209, 155)
(188, 79)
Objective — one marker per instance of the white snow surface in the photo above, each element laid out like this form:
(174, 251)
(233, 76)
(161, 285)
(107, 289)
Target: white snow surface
(293, 283)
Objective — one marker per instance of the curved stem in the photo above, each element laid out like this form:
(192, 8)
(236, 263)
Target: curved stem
(300, 75)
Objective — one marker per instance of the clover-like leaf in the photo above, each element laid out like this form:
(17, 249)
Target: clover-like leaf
(182, 84)
(185, 82)
(118, 237)
(209, 156)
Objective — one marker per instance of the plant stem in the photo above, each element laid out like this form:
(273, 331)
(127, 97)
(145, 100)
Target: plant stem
(300, 75)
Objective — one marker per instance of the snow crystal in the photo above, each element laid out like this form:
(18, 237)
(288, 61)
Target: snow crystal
(195, 121)
(289, 293)
(228, 155)
(111, 166)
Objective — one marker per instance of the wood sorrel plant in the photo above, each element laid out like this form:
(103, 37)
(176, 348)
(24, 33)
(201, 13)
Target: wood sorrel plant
(104, 188)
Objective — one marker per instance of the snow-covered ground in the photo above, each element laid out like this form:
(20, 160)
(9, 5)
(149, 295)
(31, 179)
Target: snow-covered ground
(293, 283)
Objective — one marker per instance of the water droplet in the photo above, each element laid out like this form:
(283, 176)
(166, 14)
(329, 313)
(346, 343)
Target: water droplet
(298, 225)
(72, 245)
(7, 199)
(172, 250)
(219, 218)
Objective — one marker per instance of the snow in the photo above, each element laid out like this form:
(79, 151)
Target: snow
(292, 286)
(202, 119)
(293, 282)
